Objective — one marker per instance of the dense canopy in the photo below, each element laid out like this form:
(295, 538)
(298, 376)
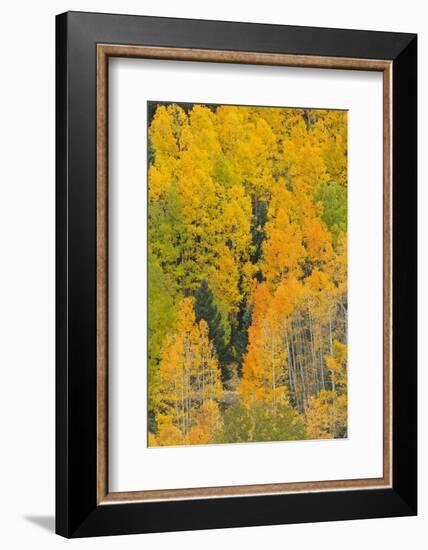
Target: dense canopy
(247, 225)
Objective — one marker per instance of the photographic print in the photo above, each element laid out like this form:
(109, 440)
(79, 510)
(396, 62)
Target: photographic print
(247, 274)
(208, 344)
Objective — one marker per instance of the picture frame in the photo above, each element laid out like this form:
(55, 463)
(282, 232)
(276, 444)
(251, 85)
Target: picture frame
(84, 44)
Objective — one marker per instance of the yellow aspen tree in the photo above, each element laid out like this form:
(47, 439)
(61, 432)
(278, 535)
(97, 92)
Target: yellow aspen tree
(208, 372)
(303, 157)
(331, 132)
(233, 128)
(236, 228)
(254, 159)
(208, 423)
(319, 246)
(165, 133)
(169, 436)
(283, 249)
(326, 416)
(224, 278)
(188, 373)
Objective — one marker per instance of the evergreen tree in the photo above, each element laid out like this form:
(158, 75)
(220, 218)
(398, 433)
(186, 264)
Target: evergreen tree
(205, 308)
(239, 337)
(258, 234)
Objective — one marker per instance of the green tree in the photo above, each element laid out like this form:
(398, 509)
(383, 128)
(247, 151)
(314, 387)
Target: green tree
(258, 233)
(167, 235)
(239, 336)
(236, 425)
(281, 423)
(205, 308)
(261, 422)
(161, 315)
(334, 208)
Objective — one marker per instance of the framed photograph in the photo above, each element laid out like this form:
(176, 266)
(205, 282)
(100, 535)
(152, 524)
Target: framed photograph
(236, 274)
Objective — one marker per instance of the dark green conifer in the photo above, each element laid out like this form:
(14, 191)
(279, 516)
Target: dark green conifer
(205, 308)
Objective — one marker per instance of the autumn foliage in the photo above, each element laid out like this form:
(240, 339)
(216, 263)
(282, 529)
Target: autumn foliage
(247, 232)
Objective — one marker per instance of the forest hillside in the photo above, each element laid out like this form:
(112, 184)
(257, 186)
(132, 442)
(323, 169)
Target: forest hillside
(247, 236)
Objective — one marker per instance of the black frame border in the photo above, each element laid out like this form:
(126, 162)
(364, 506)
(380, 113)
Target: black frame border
(77, 512)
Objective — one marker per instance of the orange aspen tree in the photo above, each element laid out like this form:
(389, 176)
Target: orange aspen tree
(265, 365)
